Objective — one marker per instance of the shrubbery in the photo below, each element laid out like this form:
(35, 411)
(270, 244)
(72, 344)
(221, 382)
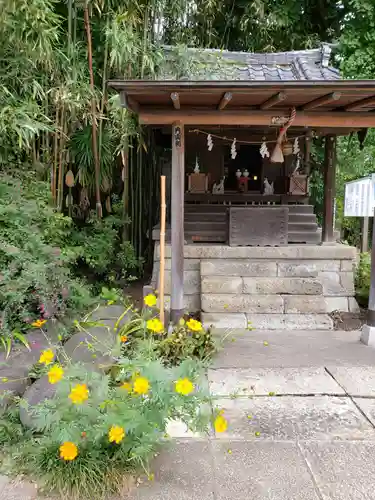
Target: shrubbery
(44, 257)
(104, 424)
(362, 279)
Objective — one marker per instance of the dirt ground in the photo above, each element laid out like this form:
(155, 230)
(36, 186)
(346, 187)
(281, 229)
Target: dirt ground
(348, 321)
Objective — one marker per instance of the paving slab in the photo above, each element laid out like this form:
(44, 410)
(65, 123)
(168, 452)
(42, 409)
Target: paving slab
(261, 471)
(262, 381)
(299, 348)
(356, 380)
(368, 407)
(19, 489)
(342, 471)
(183, 472)
(290, 418)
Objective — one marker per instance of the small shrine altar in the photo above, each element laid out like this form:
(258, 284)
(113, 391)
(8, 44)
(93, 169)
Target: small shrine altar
(239, 167)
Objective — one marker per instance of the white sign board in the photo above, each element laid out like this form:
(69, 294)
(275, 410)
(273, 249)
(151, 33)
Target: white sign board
(360, 197)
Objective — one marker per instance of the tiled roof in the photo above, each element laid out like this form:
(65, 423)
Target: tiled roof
(213, 64)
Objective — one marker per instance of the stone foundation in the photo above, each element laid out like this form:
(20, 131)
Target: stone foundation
(292, 287)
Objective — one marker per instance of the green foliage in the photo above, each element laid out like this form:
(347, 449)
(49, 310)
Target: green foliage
(34, 278)
(173, 346)
(100, 465)
(362, 279)
(357, 42)
(183, 343)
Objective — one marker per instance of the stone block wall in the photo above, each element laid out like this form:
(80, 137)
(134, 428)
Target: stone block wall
(273, 288)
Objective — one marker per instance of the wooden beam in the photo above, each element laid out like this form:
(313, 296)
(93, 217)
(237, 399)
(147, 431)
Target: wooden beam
(227, 97)
(308, 143)
(177, 221)
(275, 99)
(325, 99)
(358, 105)
(176, 100)
(129, 103)
(329, 188)
(340, 119)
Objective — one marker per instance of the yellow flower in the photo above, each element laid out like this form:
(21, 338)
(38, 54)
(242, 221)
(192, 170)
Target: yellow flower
(155, 325)
(39, 323)
(194, 325)
(141, 385)
(4, 379)
(265, 343)
(68, 451)
(123, 338)
(79, 394)
(55, 374)
(150, 300)
(116, 434)
(184, 386)
(126, 386)
(220, 424)
(46, 357)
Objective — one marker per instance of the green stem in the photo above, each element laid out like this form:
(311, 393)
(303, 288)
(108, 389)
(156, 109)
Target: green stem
(104, 90)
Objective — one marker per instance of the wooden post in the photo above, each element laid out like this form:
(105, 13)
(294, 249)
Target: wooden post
(162, 248)
(371, 300)
(364, 235)
(329, 188)
(177, 221)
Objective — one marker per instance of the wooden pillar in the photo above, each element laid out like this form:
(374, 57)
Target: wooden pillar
(177, 221)
(329, 188)
(308, 142)
(371, 299)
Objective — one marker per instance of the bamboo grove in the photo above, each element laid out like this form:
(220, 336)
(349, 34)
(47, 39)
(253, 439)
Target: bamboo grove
(57, 114)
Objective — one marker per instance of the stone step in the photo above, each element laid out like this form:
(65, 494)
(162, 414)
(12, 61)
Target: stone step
(302, 227)
(206, 225)
(297, 217)
(304, 237)
(206, 216)
(267, 321)
(194, 208)
(301, 209)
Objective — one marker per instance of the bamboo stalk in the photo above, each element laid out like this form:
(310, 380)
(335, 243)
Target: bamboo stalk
(125, 193)
(162, 247)
(104, 89)
(99, 209)
(60, 185)
(55, 151)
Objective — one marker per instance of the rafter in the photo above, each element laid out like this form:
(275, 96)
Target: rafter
(320, 101)
(275, 99)
(227, 97)
(176, 100)
(128, 102)
(358, 105)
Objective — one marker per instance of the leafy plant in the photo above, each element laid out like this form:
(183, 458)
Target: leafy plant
(362, 279)
(35, 279)
(100, 427)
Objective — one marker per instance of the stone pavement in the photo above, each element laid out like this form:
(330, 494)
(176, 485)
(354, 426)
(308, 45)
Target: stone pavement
(301, 413)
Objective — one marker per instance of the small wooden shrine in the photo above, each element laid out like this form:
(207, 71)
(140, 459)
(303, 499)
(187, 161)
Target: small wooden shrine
(241, 135)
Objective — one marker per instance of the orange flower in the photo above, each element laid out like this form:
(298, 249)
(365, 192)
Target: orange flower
(68, 451)
(79, 394)
(46, 357)
(39, 323)
(123, 339)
